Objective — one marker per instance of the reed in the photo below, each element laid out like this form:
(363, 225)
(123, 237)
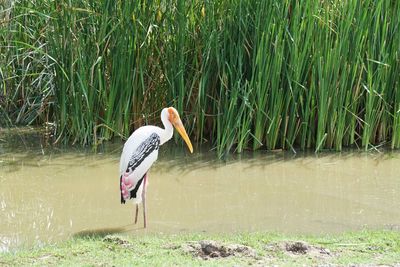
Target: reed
(245, 74)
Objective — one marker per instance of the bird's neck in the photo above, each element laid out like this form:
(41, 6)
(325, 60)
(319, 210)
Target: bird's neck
(167, 132)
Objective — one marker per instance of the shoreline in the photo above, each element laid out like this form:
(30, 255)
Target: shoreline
(359, 248)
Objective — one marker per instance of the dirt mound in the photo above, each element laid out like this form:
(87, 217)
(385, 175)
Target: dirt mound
(300, 248)
(207, 249)
(116, 240)
(297, 247)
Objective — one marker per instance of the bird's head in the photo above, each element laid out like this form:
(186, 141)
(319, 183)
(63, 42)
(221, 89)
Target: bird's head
(173, 116)
(176, 121)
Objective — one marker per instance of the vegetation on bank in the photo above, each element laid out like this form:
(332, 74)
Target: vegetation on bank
(244, 73)
(367, 247)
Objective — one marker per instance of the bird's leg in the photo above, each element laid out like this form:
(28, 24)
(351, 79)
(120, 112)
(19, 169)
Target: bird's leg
(144, 199)
(136, 214)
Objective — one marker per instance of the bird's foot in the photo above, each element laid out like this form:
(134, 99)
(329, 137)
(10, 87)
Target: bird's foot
(125, 186)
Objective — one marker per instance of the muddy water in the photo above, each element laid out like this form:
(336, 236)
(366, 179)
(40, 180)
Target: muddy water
(47, 197)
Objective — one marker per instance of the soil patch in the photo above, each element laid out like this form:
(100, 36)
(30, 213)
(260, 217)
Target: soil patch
(300, 248)
(116, 240)
(207, 249)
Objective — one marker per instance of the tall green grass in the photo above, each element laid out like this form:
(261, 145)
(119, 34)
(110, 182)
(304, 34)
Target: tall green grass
(245, 74)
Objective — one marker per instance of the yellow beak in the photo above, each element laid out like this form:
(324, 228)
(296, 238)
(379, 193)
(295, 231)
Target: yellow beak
(181, 130)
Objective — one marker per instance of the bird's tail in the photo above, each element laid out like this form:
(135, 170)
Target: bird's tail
(120, 189)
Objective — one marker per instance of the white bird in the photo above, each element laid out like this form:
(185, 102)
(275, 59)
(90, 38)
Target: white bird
(141, 151)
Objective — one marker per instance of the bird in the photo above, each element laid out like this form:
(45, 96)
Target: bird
(139, 153)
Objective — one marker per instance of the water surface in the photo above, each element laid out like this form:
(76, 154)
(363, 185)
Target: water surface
(47, 196)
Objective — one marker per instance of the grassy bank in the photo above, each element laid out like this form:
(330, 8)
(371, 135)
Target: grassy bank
(245, 73)
(360, 248)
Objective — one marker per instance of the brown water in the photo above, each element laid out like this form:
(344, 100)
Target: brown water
(50, 197)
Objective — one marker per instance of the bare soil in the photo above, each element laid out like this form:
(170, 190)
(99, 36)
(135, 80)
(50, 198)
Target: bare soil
(207, 249)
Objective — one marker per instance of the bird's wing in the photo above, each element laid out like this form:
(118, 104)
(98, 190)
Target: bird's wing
(142, 153)
(140, 162)
(133, 143)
